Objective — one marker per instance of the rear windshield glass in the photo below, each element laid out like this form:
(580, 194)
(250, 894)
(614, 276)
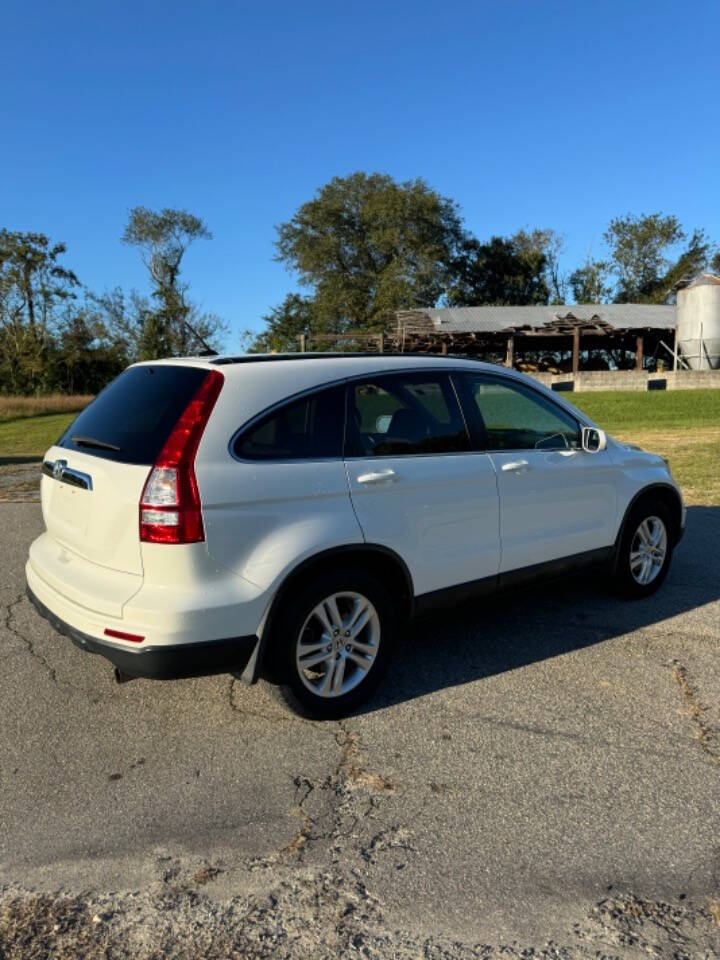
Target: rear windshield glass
(135, 414)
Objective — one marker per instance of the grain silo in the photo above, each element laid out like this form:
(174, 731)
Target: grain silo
(698, 322)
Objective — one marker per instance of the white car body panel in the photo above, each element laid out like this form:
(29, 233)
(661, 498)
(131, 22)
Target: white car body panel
(440, 513)
(91, 586)
(265, 517)
(637, 470)
(553, 504)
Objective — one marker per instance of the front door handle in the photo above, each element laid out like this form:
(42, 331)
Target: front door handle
(516, 466)
(379, 476)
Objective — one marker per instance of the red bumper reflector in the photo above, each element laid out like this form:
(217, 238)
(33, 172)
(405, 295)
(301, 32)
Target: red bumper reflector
(123, 636)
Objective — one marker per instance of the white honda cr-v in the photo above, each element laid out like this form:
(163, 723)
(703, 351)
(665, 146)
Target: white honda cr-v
(284, 515)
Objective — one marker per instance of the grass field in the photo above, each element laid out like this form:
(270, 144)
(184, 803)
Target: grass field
(15, 408)
(31, 436)
(683, 425)
(29, 425)
(619, 413)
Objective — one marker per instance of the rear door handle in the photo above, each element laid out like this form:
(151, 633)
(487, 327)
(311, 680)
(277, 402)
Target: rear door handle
(516, 466)
(379, 476)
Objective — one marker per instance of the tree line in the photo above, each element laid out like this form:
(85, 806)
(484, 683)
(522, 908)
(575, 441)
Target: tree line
(366, 246)
(362, 248)
(57, 335)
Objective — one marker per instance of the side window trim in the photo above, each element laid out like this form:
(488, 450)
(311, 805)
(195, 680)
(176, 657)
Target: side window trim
(478, 432)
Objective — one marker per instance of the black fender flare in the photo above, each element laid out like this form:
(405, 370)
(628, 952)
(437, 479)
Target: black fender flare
(253, 669)
(666, 489)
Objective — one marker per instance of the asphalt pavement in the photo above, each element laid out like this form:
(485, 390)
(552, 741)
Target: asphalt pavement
(540, 773)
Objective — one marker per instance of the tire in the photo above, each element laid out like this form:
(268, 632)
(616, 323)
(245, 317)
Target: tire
(639, 567)
(346, 617)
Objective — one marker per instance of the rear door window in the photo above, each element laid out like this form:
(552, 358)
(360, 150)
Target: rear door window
(402, 415)
(310, 428)
(130, 420)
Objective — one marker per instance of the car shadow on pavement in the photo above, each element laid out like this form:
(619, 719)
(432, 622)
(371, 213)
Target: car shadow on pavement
(493, 635)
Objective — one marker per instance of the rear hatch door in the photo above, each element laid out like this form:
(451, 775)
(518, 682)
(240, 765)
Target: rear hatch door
(94, 476)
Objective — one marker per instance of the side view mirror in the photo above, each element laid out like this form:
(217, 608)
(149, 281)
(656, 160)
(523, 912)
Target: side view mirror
(593, 440)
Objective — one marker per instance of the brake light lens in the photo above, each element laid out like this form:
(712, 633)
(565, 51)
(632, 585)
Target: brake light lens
(170, 508)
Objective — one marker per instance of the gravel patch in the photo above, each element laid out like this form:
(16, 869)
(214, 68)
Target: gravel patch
(312, 917)
(20, 482)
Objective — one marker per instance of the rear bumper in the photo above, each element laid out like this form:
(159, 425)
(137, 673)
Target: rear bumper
(165, 662)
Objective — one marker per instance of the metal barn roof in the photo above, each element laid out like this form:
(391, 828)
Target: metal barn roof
(495, 319)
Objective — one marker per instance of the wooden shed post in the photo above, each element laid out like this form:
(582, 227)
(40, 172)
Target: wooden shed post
(639, 353)
(510, 355)
(576, 350)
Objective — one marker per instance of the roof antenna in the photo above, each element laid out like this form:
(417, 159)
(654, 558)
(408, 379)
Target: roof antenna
(208, 351)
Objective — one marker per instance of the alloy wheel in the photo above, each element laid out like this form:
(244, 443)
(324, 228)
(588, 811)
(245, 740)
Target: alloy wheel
(338, 644)
(648, 550)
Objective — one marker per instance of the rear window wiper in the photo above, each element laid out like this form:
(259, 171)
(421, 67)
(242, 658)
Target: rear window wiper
(80, 440)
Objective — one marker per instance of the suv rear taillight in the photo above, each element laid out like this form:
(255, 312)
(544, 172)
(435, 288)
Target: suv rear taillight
(170, 508)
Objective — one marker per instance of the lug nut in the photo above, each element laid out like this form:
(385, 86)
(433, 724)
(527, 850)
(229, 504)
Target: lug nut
(348, 647)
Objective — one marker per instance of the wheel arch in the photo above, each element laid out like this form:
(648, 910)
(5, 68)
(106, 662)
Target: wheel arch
(666, 494)
(384, 562)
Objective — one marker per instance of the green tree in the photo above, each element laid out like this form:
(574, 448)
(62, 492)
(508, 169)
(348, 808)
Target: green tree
(34, 285)
(499, 272)
(592, 283)
(284, 324)
(88, 354)
(551, 245)
(694, 259)
(172, 327)
(368, 246)
(640, 253)
(123, 315)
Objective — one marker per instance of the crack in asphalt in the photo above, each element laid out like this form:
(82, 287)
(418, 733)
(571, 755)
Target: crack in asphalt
(355, 799)
(703, 733)
(243, 712)
(353, 796)
(285, 717)
(9, 625)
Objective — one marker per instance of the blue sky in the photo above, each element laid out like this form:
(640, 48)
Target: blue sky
(527, 113)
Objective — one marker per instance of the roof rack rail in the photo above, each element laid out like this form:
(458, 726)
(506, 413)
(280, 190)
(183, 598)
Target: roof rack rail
(274, 357)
